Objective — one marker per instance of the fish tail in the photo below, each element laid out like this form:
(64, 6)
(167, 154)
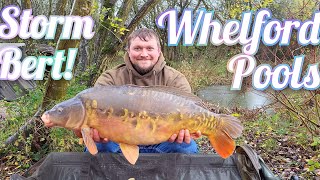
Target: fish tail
(221, 137)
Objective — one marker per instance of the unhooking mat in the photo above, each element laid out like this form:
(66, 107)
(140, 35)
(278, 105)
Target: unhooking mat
(84, 166)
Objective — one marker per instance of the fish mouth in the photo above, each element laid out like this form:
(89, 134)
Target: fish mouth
(45, 118)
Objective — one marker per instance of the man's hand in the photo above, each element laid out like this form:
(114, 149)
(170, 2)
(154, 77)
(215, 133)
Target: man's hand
(184, 136)
(94, 134)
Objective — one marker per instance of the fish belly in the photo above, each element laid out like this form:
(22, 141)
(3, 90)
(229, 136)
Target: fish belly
(134, 131)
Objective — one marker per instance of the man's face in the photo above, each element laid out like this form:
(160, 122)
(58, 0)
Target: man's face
(144, 54)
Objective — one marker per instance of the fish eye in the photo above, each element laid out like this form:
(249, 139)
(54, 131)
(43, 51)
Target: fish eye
(60, 109)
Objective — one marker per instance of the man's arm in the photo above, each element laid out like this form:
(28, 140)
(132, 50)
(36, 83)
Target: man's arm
(105, 79)
(181, 82)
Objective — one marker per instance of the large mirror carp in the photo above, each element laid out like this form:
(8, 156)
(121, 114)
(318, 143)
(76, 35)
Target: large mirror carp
(133, 115)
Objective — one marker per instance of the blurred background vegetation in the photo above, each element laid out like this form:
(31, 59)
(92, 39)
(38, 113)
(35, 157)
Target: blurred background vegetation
(288, 139)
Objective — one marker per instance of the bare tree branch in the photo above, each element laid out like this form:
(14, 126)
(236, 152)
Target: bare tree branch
(23, 129)
(142, 12)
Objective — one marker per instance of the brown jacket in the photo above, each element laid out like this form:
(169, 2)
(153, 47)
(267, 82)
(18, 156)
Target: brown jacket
(161, 74)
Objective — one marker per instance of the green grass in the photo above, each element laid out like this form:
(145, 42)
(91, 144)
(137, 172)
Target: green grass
(278, 133)
(203, 73)
(276, 125)
(19, 111)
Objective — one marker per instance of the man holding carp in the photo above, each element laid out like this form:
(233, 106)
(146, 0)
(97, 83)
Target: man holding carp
(153, 117)
(145, 66)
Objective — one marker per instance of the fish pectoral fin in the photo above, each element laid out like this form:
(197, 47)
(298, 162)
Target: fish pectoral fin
(80, 141)
(88, 141)
(130, 152)
(223, 144)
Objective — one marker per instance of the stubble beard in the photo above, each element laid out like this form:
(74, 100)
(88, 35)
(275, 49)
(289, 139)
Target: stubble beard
(142, 71)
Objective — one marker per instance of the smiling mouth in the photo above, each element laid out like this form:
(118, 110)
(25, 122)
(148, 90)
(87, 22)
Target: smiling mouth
(144, 59)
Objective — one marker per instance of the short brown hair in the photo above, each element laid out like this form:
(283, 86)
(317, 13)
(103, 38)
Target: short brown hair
(143, 33)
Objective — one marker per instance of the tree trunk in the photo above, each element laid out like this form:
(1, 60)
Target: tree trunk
(146, 8)
(101, 37)
(124, 11)
(26, 4)
(57, 89)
